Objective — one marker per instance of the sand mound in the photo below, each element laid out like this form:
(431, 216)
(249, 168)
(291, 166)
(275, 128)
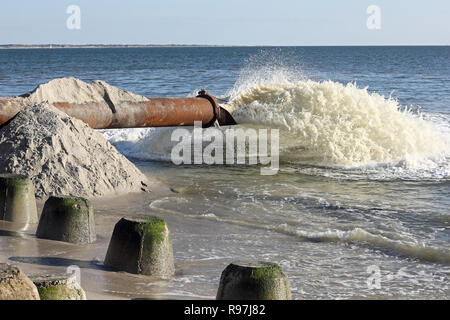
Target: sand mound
(73, 90)
(63, 156)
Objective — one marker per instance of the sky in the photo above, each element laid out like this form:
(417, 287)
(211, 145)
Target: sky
(226, 22)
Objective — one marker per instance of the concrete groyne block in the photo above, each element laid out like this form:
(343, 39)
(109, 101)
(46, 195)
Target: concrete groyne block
(253, 281)
(15, 285)
(141, 246)
(17, 200)
(58, 287)
(69, 219)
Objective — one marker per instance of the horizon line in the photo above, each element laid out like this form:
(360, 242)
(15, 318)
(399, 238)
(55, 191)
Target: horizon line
(92, 45)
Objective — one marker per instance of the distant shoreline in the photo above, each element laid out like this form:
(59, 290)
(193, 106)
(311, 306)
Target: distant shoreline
(105, 46)
(89, 46)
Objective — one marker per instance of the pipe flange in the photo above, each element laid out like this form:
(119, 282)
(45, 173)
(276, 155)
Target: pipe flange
(203, 94)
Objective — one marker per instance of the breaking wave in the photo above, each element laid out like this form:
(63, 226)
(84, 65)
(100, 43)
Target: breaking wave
(359, 236)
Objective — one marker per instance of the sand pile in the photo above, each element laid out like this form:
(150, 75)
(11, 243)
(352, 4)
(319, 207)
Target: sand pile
(74, 90)
(63, 156)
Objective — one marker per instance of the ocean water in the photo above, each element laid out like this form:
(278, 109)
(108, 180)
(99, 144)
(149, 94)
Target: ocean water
(359, 207)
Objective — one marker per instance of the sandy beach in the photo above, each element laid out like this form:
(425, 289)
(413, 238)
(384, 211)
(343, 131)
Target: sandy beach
(20, 246)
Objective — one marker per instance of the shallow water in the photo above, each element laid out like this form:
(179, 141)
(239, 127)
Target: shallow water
(325, 232)
(326, 220)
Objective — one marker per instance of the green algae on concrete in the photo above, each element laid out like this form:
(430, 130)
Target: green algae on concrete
(17, 200)
(141, 246)
(255, 281)
(58, 287)
(69, 219)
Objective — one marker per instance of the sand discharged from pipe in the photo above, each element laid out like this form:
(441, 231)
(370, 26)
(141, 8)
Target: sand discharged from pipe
(63, 156)
(74, 90)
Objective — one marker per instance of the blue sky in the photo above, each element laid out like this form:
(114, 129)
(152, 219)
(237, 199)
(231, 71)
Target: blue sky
(227, 22)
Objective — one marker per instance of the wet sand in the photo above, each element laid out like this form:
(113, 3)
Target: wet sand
(19, 246)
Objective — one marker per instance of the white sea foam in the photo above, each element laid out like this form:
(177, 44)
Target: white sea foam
(142, 143)
(334, 124)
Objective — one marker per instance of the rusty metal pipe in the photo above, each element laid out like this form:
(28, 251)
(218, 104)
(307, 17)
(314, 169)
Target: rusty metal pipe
(156, 112)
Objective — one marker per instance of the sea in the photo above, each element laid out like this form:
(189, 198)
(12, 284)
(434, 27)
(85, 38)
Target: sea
(359, 208)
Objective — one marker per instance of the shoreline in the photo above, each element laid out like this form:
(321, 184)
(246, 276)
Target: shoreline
(112, 46)
(133, 46)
